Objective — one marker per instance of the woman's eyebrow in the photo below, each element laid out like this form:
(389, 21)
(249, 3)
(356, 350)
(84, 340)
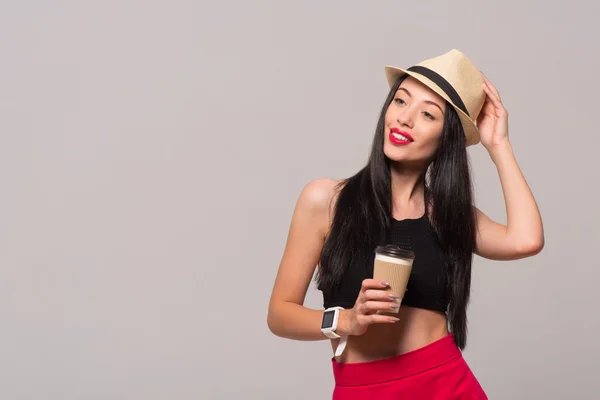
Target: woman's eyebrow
(433, 103)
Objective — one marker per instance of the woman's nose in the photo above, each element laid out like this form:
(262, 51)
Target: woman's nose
(406, 118)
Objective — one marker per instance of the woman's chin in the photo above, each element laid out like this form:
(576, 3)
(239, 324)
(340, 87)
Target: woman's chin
(406, 155)
(396, 154)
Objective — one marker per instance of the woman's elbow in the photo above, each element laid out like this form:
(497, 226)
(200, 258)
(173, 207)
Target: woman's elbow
(531, 247)
(272, 322)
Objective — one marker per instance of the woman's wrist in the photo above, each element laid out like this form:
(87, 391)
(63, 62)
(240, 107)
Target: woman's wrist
(343, 326)
(501, 151)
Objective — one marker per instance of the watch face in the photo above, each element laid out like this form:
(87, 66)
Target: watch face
(328, 319)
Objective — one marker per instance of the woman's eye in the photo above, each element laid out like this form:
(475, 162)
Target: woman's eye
(428, 116)
(399, 101)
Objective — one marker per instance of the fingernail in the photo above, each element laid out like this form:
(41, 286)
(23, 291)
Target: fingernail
(395, 319)
(394, 306)
(385, 283)
(394, 296)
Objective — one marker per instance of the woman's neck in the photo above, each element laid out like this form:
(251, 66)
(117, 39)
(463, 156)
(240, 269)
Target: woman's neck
(408, 188)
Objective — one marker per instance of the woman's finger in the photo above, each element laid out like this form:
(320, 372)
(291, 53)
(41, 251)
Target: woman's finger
(371, 307)
(495, 101)
(488, 105)
(491, 86)
(381, 295)
(373, 284)
(378, 318)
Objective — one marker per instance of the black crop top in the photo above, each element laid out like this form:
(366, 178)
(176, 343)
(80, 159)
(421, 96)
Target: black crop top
(427, 283)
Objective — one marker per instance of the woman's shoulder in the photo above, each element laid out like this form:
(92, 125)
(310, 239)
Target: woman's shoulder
(320, 192)
(319, 196)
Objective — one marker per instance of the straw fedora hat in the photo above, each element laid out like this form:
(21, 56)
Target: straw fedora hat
(454, 77)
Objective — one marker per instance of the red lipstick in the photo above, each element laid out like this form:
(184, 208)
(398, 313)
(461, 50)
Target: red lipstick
(400, 141)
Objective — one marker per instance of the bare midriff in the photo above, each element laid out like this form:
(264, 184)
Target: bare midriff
(417, 328)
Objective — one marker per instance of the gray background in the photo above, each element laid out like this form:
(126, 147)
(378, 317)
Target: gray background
(152, 153)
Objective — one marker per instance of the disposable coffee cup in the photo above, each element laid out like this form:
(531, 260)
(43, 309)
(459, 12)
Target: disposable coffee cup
(393, 264)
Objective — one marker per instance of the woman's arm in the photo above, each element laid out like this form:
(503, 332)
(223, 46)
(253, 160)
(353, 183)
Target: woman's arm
(287, 316)
(310, 225)
(523, 236)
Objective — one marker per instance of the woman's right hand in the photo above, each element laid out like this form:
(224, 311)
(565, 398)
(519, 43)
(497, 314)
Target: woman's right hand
(372, 297)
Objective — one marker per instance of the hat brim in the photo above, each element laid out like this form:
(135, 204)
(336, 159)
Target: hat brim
(469, 126)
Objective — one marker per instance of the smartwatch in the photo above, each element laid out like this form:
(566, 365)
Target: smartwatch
(329, 325)
(330, 321)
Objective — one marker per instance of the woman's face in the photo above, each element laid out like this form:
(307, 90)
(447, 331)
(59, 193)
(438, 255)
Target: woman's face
(413, 123)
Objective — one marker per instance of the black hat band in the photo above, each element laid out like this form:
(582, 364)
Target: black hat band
(442, 83)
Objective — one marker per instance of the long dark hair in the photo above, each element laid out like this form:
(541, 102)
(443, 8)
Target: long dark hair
(363, 214)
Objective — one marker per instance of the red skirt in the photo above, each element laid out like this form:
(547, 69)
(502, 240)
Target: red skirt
(437, 371)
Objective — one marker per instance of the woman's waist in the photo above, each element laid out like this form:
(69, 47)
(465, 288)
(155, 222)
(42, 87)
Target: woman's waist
(426, 358)
(415, 329)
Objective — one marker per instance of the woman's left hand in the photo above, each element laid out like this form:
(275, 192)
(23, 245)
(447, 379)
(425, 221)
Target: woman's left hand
(493, 118)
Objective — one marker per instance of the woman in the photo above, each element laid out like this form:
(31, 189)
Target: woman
(416, 191)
